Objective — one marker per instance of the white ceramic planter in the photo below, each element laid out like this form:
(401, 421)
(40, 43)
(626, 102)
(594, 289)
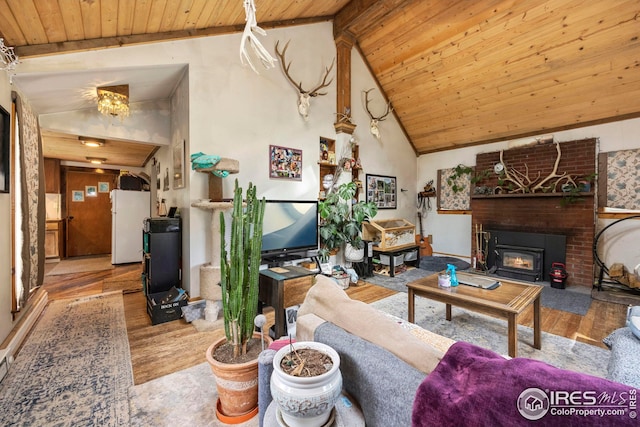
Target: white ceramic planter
(353, 254)
(306, 401)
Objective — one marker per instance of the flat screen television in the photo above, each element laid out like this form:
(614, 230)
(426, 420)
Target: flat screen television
(290, 228)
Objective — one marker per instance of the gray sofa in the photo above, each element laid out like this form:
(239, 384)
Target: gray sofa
(385, 360)
(383, 382)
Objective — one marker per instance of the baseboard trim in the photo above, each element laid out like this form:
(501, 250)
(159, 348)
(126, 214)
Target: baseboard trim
(21, 330)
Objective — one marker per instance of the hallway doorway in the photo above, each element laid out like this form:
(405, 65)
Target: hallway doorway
(88, 211)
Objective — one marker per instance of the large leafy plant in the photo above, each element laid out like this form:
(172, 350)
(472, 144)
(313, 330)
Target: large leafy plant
(240, 268)
(341, 219)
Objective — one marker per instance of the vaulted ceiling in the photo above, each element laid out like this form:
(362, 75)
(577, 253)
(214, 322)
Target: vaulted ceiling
(456, 72)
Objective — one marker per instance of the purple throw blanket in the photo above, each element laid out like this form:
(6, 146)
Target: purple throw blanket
(473, 386)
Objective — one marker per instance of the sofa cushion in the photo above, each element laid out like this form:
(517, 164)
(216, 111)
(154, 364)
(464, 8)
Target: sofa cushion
(624, 365)
(327, 301)
(633, 320)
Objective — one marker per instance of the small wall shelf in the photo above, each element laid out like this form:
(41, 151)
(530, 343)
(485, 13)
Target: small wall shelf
(327, 162)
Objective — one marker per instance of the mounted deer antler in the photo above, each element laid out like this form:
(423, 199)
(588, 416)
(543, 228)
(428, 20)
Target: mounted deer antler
(373, 125)
(304, 96)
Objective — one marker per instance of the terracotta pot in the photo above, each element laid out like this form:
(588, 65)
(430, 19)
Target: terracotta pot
(237, 383)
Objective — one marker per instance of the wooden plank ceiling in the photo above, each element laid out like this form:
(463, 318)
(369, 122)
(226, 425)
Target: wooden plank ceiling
(457, 73)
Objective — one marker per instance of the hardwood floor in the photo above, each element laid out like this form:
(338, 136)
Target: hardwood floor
(169, 347)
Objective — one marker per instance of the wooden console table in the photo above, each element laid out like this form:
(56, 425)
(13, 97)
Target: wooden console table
(508, 300)
(283, 287)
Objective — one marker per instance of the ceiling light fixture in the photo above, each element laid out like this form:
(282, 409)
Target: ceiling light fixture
(114, 100)
(91, 142)
(96, 160)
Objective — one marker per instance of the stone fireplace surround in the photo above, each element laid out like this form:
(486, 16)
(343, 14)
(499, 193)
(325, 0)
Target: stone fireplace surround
(543, 212)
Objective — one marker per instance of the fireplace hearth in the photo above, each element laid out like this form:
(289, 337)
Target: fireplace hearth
(519, 262)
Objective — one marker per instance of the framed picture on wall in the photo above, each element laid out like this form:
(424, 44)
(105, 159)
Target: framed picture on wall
(382, 191)
(77, 196)
(285, 163)
(103, 187)
(178, 164)
(91, 190)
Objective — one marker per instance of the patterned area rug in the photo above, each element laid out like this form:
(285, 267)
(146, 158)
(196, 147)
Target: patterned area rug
(74, 369)
(188, 396)
(81, 265)
(491, 333)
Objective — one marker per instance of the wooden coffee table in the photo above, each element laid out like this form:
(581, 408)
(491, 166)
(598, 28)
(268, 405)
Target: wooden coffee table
(507, 301)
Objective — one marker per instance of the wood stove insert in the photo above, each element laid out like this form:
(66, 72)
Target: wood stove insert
(520, 262)
(543, 250)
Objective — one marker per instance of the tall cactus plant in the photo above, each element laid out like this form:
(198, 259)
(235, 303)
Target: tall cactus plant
(240, 268)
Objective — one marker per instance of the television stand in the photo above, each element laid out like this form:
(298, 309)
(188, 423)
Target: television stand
(280, 260)
(283, 288)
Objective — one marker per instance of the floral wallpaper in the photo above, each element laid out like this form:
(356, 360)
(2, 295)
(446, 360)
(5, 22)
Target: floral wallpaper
(450, 200)
(623, 175)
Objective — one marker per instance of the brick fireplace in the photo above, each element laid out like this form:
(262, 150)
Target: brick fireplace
(543, 213)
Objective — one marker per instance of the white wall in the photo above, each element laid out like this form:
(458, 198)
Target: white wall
(452, 233)
(236, 113)
(392, 155)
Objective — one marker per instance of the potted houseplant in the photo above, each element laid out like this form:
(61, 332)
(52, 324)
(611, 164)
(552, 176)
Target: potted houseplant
(341, 219)
(306, 383)
(234, 357)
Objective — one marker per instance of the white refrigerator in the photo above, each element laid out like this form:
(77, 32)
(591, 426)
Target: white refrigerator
(128, 211)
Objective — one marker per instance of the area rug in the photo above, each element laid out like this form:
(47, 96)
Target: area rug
(81, 265)
(439, 263)
(572, 301)
(74, 369)
(186, 397)
(491, 333)
(399, 281)
(558, 299)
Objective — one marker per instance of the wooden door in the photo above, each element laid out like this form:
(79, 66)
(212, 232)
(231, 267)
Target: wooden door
(88, 210)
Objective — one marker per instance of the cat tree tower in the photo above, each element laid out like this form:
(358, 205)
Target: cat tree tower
(210, 272)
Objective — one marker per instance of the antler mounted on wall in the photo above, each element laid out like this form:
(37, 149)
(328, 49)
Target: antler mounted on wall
(373, 125)
(304, 96)
(515, 181)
